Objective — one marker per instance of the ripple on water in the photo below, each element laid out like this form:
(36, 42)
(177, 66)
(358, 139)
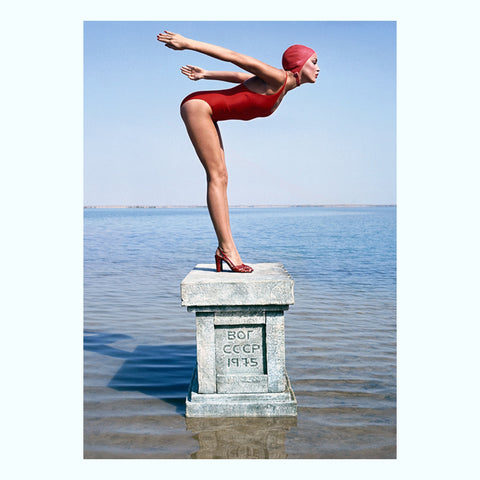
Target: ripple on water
(139, 343)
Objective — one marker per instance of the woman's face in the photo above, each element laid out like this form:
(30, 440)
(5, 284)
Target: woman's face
(309, 72)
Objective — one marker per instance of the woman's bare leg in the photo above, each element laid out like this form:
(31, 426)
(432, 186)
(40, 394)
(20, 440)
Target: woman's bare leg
(206, 139)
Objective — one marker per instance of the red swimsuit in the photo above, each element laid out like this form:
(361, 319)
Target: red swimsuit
(237, 103)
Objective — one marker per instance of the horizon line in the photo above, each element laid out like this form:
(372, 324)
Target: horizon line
(326, 205)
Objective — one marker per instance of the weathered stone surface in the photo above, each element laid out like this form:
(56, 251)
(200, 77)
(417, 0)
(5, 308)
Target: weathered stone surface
(206, 353)
(242, 317)
(242, 383)
(268, 284)
(275, 348)
(241, 404)
(239, 349)
(240, 342)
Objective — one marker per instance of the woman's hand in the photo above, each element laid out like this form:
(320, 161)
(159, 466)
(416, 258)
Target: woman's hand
(193, 73)
(172, 40)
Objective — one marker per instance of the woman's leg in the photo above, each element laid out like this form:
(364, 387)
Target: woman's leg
(206, 139)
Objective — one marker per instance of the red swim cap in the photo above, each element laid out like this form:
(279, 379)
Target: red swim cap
(295, 57)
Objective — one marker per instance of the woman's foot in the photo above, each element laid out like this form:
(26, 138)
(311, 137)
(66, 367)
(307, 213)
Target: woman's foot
(235, 265)
(231, 253)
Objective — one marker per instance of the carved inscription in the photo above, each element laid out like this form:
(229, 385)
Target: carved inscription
(239, 349)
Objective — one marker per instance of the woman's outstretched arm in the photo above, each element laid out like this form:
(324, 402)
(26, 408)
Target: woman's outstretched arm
(197, 73)
(269, 74)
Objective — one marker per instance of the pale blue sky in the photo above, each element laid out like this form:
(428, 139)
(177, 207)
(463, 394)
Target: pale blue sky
(333, 142)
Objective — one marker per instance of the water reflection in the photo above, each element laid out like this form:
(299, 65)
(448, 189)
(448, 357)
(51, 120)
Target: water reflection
(240, 438)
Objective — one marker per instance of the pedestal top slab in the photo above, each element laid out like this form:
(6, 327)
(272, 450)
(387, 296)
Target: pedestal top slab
(268, 284)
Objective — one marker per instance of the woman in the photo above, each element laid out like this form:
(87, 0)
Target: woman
(260, 92)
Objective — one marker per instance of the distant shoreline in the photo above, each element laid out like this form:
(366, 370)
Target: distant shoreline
(244, 206)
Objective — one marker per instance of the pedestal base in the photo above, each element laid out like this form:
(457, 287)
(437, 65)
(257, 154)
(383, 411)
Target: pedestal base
(240, 404)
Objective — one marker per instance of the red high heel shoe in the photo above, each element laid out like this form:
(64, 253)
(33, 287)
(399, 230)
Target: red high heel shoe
(242, 268)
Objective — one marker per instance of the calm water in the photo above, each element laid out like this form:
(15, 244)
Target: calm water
(340, 334)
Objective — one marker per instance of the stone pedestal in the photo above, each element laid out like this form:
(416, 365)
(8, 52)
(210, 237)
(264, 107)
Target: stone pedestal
(240, 368)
